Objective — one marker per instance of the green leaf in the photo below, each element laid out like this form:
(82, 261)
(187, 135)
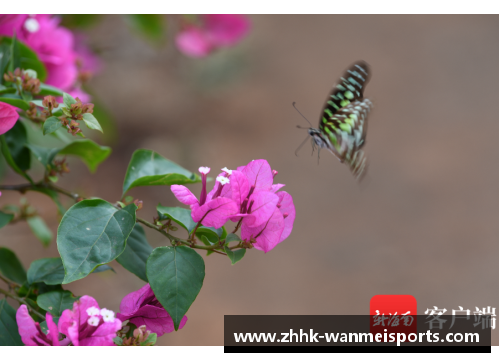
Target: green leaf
(57, 301)
(148, 168)
(5, 90)
(50, 125)
(9, 334)
(234, 256)
(28, 59)
(48, 90)
(4, 59)
(232, 237)
(51, 271)
(150, 341)
(5, 219)
(16, 139)
(151, 26)
(68, 100)
(136, 253)
(47, 270)
(15, 60)
(10, 160)
(91, 122)
(118, 341)
(11, 267)
(43, 154)
(103, 268)
(181, 216)
(16, 102)
(176, 276)
(212, 234)
(88, 151)
(92, 233)
(40, 229)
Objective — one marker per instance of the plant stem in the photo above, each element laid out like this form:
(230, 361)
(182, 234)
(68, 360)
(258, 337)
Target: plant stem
(20, 300)
(8, 282)
(237, 226)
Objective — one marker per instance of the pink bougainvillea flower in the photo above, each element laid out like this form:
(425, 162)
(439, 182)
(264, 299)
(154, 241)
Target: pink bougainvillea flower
(193, 42)
(142, 308)
(8, 117)
(31, 333)
(211, 210)
(63, 57)
(215, 31)
(87, 325)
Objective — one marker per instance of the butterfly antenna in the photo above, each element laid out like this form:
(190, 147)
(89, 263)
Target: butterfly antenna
(302, 144)
(293, 104)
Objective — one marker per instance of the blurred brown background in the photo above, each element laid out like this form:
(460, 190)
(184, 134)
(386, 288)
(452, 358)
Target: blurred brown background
(424, 222)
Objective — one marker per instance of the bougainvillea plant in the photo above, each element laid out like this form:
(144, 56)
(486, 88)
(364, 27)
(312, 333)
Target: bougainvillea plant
(42, 120)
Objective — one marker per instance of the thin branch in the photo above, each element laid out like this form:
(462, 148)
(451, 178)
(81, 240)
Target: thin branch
(9, 282)
(21, 300)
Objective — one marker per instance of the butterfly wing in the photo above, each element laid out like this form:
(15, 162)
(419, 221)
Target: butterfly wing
(346, 131)
(349, 88)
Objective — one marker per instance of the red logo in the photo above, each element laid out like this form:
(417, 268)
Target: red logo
(392, 314)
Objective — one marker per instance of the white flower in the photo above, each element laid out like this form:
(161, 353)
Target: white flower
(93, 321)
(31, 25)
(229, 172)
(204, 170)
(93, 311)
(107, 315)
(223, 180)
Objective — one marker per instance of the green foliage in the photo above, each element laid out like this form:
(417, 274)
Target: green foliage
(181, 216)
(148, 168)
(50, 271)
(47, 270)
(92, 233)
(57, 301)
(9, 334)
(236, 255)
(136, 253)
(51, 125)
(26, 58)
(151, 26)
(88, 151)
(91, 122)
(40, 229)
(16, 139)
(11, 267)
(48, 90)
(176, 276)
(5, 90)
(68, 100)
(15, 101)
(5, 219)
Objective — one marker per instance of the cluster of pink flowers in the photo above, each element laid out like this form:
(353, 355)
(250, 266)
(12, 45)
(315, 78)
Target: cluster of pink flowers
(65, 58)
(214, 31)
(88, 325)
(248, 196)
(85, 325)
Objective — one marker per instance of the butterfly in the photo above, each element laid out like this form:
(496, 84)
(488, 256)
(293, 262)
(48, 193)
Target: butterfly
(343, 122)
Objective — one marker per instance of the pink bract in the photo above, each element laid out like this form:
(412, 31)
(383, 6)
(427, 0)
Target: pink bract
(215, 31)
(8, 117)
(77, 324)
(142, 308)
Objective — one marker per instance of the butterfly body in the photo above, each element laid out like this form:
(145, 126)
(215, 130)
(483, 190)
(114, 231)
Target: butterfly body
(343, 122)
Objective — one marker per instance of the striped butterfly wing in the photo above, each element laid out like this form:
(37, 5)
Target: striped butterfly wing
(344, 118)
